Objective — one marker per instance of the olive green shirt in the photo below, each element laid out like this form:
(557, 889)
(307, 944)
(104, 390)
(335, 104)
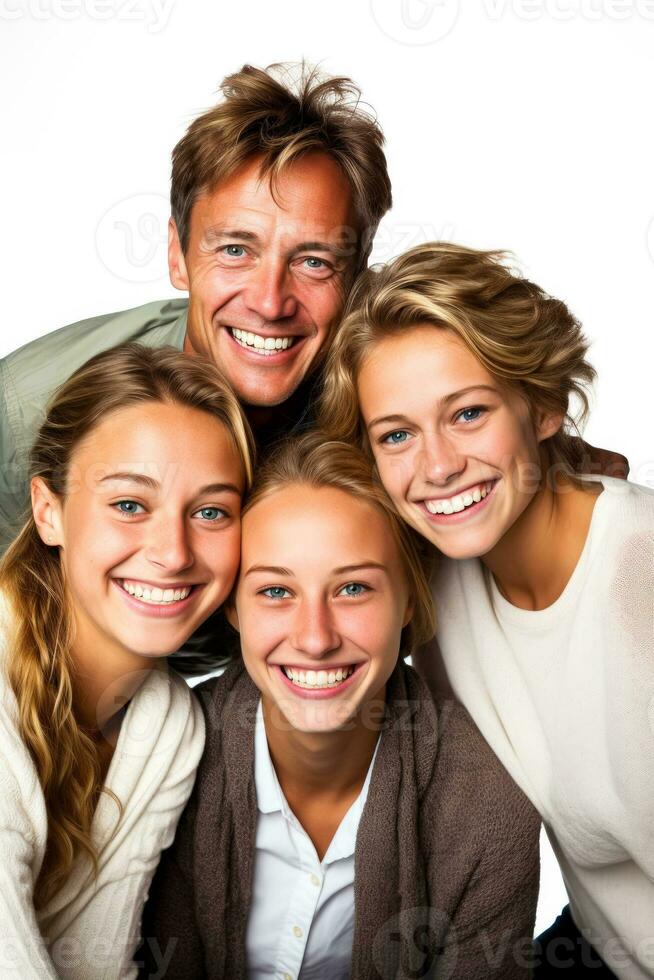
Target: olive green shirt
(30, 375)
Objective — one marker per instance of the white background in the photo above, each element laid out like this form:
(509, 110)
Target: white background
(521, 124)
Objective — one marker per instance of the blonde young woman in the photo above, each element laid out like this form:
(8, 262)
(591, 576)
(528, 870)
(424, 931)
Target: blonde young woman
(132, 540)
(343, 825)
(460, 378)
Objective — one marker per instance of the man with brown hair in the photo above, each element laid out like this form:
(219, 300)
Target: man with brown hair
(276, 194)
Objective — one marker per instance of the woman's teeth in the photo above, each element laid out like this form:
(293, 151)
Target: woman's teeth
(262, 345)
(454, 505)
(318, 678)
(148, 593)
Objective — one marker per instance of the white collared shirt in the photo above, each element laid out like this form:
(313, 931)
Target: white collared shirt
(301, 920)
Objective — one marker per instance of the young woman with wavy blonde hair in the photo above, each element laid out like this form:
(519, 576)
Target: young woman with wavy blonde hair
(465, 381)
(132, 540)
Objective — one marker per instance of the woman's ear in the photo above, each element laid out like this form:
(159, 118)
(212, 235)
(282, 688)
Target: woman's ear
(409, 611)
(230, 612)
(548, 424)
(46, 508)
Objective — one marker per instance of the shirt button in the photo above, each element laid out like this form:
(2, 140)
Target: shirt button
(297, 931)
(315, 880)
(287, 976)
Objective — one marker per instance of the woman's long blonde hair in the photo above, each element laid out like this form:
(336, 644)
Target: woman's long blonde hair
(314, 460)
(527, 340)
(31, 578)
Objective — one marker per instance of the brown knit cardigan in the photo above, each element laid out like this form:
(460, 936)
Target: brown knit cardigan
(446, 859)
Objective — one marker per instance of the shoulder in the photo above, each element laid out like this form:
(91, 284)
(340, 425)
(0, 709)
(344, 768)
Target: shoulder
(163, 728)
(33, 371)
(475, 791)
(22, 804)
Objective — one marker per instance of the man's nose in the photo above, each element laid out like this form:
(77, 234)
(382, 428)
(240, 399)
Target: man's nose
(168, 546)
(269, 290)
(314, 631)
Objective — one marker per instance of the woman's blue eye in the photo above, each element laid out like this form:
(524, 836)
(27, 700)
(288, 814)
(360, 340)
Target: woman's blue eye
(276, 592)
(396, 438)
(471, 414)
(353, 589)
(211, 513)
(131, 504)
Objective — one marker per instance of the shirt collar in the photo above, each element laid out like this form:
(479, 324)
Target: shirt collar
(271, 799)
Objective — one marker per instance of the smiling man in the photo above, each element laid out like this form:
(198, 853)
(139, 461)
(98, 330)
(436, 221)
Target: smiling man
(276, 194)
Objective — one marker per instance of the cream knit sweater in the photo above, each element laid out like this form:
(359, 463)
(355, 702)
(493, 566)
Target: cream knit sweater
(90, 928)
(565, 697)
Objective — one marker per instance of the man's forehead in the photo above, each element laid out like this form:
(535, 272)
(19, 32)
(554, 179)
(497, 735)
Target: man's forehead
(311, 200)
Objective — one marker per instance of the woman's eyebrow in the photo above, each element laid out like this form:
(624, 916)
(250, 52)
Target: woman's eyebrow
(148, 481)
(269, 569)
(403, 419)
(346, 569)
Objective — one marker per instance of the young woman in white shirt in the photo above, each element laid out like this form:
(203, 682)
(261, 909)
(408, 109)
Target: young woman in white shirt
(343, 825)
(132, 540)
(460, 378)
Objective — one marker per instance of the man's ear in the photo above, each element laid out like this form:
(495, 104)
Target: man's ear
(548, 424)
(46, 508)
(176, 264)
(230, 612)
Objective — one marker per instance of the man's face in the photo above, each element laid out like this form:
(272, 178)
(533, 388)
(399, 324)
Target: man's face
(267, 276)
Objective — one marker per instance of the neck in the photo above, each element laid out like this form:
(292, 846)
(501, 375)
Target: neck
(105, 679)
(534, 560)
(329, 764)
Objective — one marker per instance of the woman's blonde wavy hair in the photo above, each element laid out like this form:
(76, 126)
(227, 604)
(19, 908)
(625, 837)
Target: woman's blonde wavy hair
(527, 340)
(314, 460)
(31, 579)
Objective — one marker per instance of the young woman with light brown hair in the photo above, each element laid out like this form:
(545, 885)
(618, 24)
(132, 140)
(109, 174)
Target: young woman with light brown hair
(463, 381)
(132, 540)
(343, 825)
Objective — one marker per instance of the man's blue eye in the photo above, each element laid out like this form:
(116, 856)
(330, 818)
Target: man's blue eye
(131, 504)
(396, 438)
(353, 589)
(236, 251)
(275, 592)
(211, 513)
(318, 262)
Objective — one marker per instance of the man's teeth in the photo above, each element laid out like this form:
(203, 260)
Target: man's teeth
(454, 505)
(262, 345)
(148, 593)
(318, 678)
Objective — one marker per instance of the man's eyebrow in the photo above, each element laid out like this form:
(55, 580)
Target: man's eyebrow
(443, 403)
(333, 248)
(241, 234)
(147, 481)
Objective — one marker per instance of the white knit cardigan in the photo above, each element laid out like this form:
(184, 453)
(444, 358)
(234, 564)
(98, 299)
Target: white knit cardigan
(90, 928)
